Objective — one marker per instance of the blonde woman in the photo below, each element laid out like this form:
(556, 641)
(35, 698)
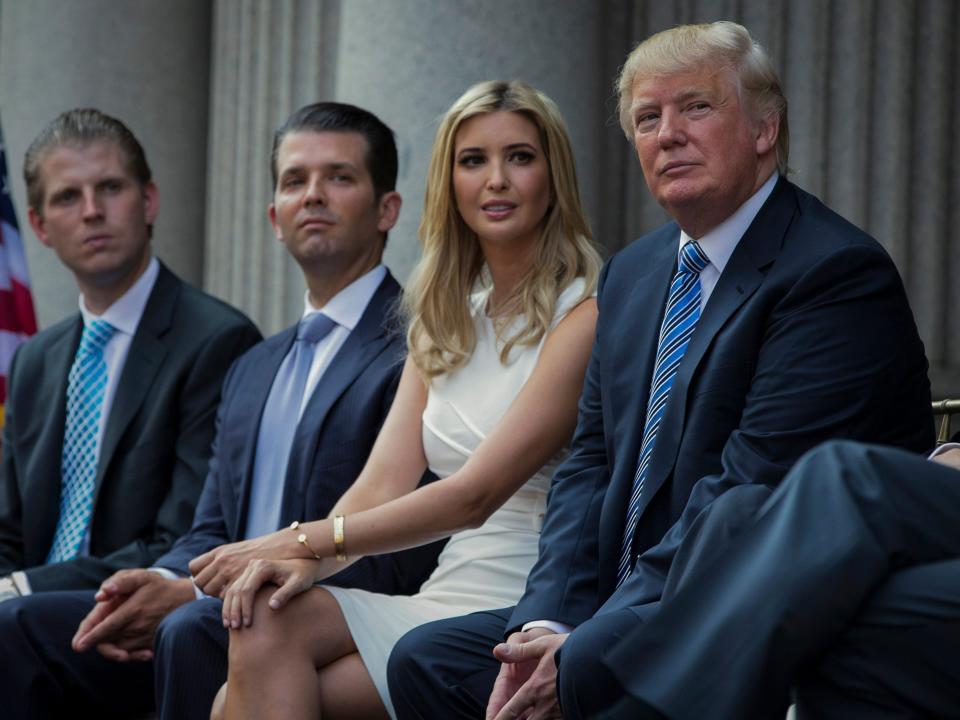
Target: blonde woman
(501, 321)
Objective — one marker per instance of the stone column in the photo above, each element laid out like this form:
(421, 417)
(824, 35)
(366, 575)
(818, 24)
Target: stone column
(873, 92)
(268, 60)
(409, 61)
(143, 61)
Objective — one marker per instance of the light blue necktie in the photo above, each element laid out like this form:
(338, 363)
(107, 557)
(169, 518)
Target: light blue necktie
(78, 465)
(281, 415)
(679, 320)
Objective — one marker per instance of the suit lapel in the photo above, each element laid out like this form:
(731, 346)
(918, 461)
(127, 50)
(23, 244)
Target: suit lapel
(744, 273)
(249, 406)
(362, 345)
(148, 350)
(43, 495)
(636, 343)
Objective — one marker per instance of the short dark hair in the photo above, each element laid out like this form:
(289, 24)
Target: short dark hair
(81, 126)
(381, 154)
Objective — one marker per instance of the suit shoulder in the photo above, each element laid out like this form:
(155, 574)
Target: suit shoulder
(823, 231)
(204, 309)
(38, 344)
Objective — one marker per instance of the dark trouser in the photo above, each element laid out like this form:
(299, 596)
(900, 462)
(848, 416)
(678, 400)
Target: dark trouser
(42, 677)
(845, 585)
(446, 668)
(190, 660)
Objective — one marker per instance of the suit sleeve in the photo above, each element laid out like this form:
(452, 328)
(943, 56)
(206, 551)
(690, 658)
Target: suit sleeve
(563, 585)
(840, 338)
(199, 397)
(209, 528)
(11, 512)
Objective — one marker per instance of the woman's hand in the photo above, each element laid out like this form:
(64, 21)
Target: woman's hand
(214, 571)
(293, 577)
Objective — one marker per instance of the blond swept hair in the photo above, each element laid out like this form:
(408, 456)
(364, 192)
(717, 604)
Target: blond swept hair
(721, 44)
(440, 333)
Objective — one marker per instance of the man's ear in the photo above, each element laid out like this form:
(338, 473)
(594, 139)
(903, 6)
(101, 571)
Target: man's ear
(38, 225)
(389, 209)
(151, 202)
(272, 216)
(768, 130)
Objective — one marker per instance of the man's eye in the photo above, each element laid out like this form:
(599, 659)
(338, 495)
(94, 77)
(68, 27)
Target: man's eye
(64, 198)
(341, 178)
(645, 119)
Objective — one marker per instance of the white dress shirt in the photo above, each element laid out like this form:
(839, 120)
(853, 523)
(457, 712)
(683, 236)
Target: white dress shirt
(718, 245)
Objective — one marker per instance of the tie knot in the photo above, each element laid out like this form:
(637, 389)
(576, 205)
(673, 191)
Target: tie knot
(692, 258)
(315, 327)
(96, 335)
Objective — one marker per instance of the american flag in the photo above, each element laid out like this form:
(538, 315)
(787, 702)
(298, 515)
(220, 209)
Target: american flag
(17, 319)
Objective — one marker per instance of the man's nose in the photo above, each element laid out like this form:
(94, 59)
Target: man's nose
(672, 130)
(92, 207)
(314, 195)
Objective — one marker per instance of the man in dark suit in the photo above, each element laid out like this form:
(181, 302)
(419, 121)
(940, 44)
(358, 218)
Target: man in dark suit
(111, 411)
(776, 326)
(299, 415)
(843, 584)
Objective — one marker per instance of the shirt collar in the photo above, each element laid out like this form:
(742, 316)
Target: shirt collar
(347, 306)
(719, 243)
(125, 312)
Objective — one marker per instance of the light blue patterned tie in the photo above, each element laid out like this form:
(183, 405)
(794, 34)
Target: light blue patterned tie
(78, 465)
(278, 426)
(679, 320)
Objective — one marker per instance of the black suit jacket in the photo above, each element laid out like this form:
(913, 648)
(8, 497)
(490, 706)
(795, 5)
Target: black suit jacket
(156, 444)
(334, 437)
(807, 336)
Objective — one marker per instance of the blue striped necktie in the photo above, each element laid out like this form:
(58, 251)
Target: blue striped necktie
(679, 320)
(78, 463)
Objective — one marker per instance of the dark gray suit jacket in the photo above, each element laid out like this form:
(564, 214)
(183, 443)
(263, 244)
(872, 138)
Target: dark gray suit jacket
(156, 444)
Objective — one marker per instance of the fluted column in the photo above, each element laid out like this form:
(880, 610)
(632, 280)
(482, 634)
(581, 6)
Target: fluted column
(269, 58)
(874, 93)
(409, 61)
(143, 61)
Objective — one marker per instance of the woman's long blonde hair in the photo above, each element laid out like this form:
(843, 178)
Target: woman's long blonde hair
(440, 334)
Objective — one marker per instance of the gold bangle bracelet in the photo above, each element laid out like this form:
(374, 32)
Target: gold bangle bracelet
(338, 538)
(302, 539)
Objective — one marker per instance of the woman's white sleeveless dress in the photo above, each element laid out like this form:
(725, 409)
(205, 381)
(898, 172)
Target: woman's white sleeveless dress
(482, 568)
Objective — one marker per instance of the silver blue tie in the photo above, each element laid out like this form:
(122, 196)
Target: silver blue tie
(281, 415)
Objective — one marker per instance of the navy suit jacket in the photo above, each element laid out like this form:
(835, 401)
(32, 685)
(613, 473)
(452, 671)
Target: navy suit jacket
(807, 336)
(334, 437)
(156, 443)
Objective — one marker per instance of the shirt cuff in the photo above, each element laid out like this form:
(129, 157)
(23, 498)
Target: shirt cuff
(22, 582)
(942, 449)
(165, 573)
(171, 575)
(551, 625)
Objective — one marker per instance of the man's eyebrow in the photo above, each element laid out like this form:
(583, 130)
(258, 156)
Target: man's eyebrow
(327, 167)
(680, 96)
